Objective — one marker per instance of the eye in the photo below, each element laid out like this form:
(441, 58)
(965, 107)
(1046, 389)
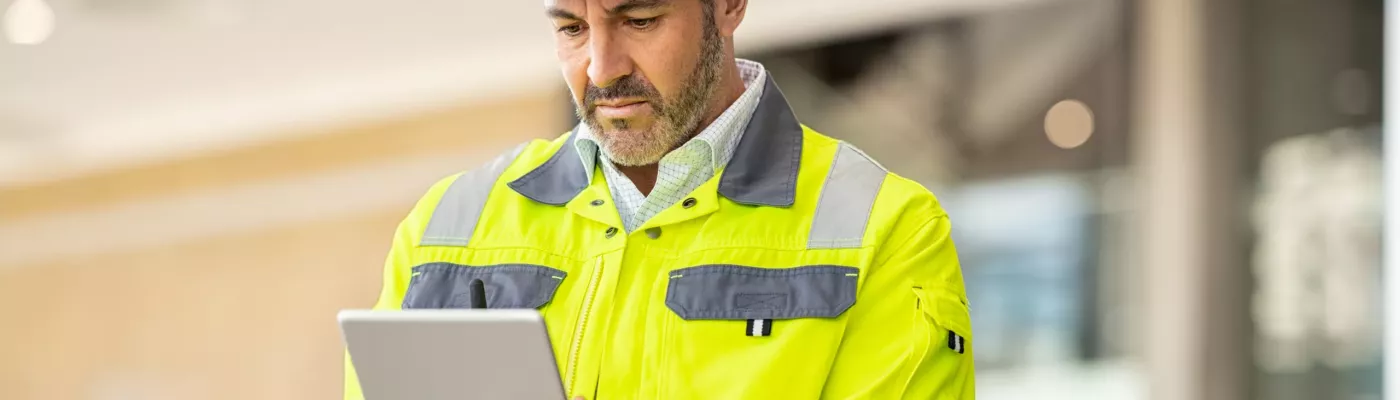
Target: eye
(642, 23)
(571, 30)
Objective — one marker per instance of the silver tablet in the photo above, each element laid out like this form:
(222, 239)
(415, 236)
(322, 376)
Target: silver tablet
(451, 354)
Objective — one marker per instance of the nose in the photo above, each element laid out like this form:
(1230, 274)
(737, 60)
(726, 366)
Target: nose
(608, 60)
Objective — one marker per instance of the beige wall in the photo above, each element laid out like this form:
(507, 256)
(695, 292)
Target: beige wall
(243, 305)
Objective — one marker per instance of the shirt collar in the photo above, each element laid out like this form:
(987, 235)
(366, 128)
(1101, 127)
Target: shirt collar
(723, 137)
(761, 171)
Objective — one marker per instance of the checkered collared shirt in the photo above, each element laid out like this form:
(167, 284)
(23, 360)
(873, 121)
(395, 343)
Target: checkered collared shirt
(684, 169)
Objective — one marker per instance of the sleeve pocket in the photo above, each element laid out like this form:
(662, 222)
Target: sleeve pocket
(948, 311)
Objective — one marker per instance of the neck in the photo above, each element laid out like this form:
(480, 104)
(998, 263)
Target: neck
(644, 176)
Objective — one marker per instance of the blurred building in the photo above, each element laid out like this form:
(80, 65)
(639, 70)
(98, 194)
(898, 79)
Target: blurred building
(1175, 199)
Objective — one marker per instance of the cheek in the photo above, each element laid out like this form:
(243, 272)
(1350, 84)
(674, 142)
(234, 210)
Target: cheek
(666, 64)
(574, 66)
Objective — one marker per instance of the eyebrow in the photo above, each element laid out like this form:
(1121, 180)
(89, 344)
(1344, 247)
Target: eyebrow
(633, 5)
(556, 12)
(625, 7)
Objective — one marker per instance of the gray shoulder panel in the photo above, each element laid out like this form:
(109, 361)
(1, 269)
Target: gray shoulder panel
(456, 214)
(846, 201)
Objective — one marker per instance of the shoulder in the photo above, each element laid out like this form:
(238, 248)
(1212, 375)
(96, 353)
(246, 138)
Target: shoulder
(507, 165)
(899, 198)
(900, 210)
(491, 175)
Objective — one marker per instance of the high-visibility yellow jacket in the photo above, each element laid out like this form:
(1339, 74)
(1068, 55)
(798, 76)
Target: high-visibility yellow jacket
(803, 270)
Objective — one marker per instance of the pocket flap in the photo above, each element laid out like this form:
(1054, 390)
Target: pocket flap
(446, 285)
(737, 292)
(948, 311)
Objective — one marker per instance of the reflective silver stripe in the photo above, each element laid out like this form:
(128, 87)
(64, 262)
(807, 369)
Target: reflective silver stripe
(846, 200)
(456, 214)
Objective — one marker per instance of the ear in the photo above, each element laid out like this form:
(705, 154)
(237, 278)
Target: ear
(729, 14)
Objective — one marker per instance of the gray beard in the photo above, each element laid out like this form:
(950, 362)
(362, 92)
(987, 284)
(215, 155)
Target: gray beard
(678, 119)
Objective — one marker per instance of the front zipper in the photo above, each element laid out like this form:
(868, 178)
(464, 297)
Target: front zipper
(665, 347)
(582, 323)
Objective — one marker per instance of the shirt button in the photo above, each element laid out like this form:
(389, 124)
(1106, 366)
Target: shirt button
(610, 233)
(688, 203)
(596, 203)
(654, 233)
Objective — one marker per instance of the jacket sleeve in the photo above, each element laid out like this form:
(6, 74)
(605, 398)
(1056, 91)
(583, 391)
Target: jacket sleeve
(908, 335)
(397, 269)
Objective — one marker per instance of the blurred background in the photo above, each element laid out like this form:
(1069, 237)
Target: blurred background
(1153, 199)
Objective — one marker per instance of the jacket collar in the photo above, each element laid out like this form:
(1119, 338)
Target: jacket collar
(763, 170)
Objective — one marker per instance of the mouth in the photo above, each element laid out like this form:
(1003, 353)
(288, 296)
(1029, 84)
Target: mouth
(615, 103)
(623, 108)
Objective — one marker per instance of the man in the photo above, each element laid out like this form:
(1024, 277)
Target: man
(690, 239)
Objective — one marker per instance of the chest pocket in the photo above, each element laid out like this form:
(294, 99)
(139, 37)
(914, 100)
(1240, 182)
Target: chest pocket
(769, 326)
(731, 292)
(446, 285)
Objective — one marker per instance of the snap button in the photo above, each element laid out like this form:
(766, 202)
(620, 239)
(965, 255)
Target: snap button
(596, 203)
(611, 232)
(688, 203)
(654, 233)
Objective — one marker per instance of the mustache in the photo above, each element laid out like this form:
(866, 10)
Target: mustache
(626, 87)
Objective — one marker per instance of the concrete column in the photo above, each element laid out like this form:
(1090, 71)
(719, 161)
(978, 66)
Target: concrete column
(1193, 331)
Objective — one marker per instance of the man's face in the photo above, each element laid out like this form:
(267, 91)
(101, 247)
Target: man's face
(642, 72)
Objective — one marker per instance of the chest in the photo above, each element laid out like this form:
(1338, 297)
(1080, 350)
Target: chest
(668, 310)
